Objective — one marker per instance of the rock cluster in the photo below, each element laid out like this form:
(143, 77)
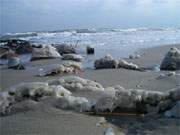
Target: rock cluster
(17, 45)
(171, 60)
(109, 62)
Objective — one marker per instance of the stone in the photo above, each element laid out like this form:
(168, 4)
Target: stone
(46, 52)
(171, 60)
(89, 50)
(64, 48)
(73, 57)
(106, 62)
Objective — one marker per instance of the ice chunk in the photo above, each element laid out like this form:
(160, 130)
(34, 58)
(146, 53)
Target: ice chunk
(75, 83)
(79, 104)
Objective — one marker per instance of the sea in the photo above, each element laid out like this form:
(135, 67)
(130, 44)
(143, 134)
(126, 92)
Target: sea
(120, 43)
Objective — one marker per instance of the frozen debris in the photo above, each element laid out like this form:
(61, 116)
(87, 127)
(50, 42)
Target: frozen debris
(174, 112)
(137, 101)
(45, 52)
(75, 83)
(113, 99)
(37, 90)
(59, 91)
(106, 62)
(73, 57)
(171, 60)
(34, 91)
(124, 64)
(66, 68)
(79, 104)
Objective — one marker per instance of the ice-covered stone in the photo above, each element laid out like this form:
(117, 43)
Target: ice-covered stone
(45, 52)
(33, 90)
(79, 104)
(133, 100)
(106, 62)
(66, 68)
(59, 91)
(171, 60)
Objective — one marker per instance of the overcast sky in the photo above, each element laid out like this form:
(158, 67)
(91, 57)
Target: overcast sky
(33, 15)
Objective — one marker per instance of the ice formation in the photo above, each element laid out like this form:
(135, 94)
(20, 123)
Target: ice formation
(75, 83)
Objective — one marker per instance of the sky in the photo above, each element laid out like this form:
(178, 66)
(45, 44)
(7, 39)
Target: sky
(37, 15)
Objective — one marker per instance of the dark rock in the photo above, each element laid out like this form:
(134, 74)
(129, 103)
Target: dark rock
(90, 50)
(17, 45)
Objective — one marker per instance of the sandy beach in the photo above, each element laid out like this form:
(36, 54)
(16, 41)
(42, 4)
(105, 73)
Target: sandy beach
(43, 118)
